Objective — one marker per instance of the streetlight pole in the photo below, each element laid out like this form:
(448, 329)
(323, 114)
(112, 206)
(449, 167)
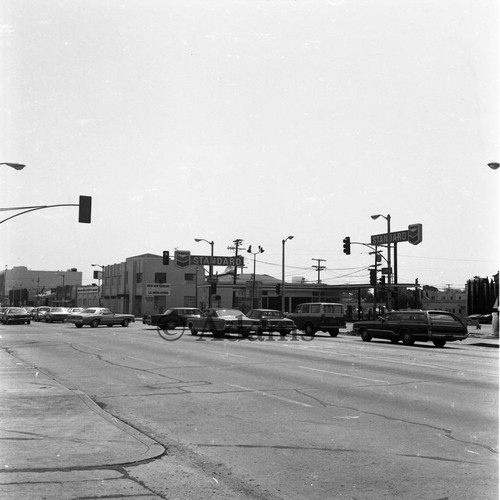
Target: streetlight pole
(210, 268)
(249, 250)
(494, 321)
(196, 289)
(283, 272)
(389, 269)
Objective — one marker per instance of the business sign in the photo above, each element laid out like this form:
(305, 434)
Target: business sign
(204, 260)
(183, 258)
(87, 289)
(412, 235)
(158, 289)
(415, 234)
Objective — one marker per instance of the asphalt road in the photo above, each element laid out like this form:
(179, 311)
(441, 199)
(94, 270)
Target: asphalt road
(294, 419)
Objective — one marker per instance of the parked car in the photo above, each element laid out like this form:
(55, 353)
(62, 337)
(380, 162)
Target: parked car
(220, 321)
(56, 314)
(38, 314)
(95, 316)
(15, 315)
(2, 310)
(325, 316)
(271, 320)
(75, 310)
(172, 317)
(481, 319)
(414, 325)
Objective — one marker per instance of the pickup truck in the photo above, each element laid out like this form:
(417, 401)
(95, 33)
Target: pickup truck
(325, 316)
(220, 321)
(414, 325)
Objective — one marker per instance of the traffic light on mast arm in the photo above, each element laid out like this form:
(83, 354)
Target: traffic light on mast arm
(166, 257)
(85, 209)
(347, 245)
(373, 277)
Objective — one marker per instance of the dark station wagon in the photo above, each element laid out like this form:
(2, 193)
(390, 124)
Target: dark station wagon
(414, 325)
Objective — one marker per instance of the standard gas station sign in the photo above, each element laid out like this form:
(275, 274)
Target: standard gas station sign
(183, 258)
(412, 235)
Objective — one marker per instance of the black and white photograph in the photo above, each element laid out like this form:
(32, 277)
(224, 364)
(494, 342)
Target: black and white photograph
(249, 249)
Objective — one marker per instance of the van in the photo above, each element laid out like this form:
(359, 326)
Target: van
(319, 316)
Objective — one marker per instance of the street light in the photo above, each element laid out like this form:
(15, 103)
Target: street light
(283, 272)
(249, 250)
(17, 166)
(210, 268)
(389, 269)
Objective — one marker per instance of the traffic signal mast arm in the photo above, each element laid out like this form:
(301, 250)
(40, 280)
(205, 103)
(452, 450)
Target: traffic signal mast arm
(85, 206)
(369, 246)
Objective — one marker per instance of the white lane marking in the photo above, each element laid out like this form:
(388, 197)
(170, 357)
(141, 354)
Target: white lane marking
(145, 361)
(91, 347)
(226, 353)
(262, 393)
(343, 374)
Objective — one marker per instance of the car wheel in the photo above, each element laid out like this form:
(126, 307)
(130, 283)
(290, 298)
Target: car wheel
(439, 343)
(47, 320)
(218, 334)
(309, 330)
(109, 326)
(395, 341)
(333, 333)
(365, 336)
(78, 325)
(125, 322)
(28, 322)
(407, 338)
(94, 323)
(193, 330)
(283, 333)
(171, 324)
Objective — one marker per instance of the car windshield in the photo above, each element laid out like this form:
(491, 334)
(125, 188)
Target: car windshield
(17, 310)
(58, 309)
(89, 311)
(272, 314)
(226, 312)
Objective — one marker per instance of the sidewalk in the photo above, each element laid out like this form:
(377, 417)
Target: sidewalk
(48, 428)
(482, 337)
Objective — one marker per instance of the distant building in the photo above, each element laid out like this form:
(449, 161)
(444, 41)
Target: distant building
(88, 296)
(21, 286)
(450, 299)
(143, 285)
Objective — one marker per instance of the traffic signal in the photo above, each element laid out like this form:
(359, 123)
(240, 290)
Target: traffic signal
(166, 257)
(213, 287)
(85, 209)
(347, 245)
(278, 288)
(382, 281)
(373, 277)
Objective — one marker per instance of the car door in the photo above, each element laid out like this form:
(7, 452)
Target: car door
(108, 317)
(390, 328)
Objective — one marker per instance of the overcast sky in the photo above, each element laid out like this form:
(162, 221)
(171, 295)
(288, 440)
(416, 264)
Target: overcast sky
(252, 120)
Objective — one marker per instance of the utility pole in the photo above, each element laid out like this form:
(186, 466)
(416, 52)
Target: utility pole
(319, 268)
(236, 245)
